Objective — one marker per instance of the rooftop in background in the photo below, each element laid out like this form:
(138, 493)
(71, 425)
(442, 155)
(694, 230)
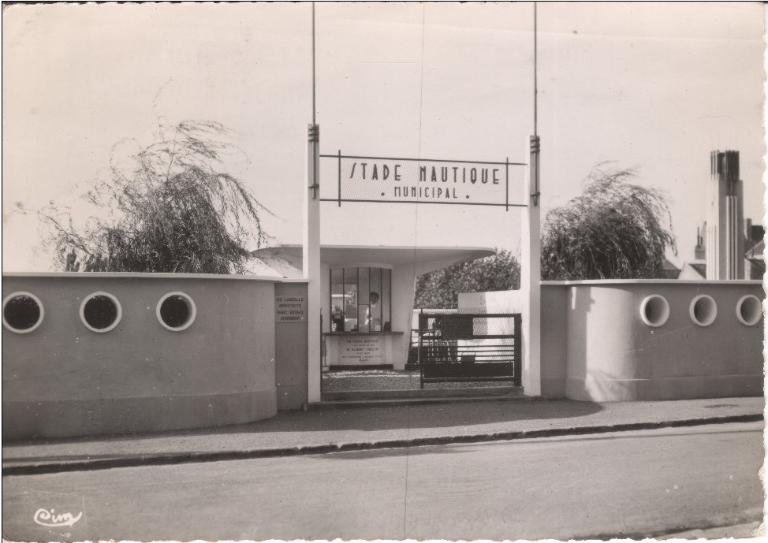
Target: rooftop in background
(670, 270)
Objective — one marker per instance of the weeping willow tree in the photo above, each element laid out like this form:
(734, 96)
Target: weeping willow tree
(613, 230)
(172, 209)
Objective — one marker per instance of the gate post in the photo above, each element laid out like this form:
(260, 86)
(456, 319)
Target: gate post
(530, 276)
(311, 262)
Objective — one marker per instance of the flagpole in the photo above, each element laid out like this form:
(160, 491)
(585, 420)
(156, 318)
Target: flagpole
(535, 73)
(314, 86)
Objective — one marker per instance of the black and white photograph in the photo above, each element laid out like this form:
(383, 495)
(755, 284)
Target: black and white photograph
(383, 271)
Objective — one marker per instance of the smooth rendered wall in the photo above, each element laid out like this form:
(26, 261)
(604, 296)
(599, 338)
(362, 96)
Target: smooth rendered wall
(65, 380)
(554, 348)
(595, 346)
(291, 353)
(614, 355)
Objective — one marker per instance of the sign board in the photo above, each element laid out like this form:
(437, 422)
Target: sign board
(361, 350)
(290, 308)
(423, 181)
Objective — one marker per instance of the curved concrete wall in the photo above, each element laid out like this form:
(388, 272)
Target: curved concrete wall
(63, 380)
(595, 345)
(612, 354)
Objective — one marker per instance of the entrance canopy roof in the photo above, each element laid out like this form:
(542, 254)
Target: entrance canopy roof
(424, 259)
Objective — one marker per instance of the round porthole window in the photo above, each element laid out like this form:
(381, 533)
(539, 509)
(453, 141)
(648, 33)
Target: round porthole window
(749, 310)
(703, 310)
(654, 310)
(176, 311)
(100, 312)
(22, 312)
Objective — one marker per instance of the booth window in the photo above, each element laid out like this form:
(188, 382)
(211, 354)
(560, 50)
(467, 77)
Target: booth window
(361, 300)
(22, 312)
(100, 312)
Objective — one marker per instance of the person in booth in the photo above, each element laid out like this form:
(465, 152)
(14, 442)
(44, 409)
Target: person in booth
(373, 318)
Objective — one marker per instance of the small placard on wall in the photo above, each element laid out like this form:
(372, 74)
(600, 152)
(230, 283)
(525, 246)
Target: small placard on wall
(290, 308)
(361, 350)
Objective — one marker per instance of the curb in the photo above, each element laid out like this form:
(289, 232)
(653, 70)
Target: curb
(199, 457)
(327, 405)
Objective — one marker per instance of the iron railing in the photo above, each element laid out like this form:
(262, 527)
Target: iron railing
(469, 347)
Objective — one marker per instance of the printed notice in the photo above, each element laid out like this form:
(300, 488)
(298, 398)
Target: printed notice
(361, 350)
(290, 308)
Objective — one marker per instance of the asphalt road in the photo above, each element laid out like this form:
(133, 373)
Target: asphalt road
(630, 483)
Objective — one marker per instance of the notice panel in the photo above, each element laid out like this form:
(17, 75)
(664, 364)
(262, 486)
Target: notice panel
(290, 308)
(361, 350)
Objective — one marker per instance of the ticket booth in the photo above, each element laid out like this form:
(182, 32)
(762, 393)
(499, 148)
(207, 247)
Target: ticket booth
(367, 297)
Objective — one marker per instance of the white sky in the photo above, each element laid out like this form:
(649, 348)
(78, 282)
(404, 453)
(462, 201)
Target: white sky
(651, 86)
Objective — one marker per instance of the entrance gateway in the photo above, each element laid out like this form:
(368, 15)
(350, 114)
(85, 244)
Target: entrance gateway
(390, 180)
(359, 321)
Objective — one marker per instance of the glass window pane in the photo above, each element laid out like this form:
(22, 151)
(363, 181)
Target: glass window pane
(386, 299)
(363, 318)
(363, 286)
(337, 301)
(350, 299)
(375, 300)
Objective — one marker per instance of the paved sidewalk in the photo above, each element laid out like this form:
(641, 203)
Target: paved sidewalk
(333, 428)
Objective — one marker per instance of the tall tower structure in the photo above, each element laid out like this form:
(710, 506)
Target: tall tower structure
(725, 218)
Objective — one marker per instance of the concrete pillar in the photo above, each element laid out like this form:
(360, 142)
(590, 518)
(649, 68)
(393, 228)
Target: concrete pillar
(311, 262)
(404, 277)
(530, 276)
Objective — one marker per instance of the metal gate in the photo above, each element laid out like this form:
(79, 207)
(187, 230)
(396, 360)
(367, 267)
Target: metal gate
(469, 347)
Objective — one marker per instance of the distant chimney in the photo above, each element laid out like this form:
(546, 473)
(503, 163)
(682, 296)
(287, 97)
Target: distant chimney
(725, 218)
(699, 252)
(725, 166)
